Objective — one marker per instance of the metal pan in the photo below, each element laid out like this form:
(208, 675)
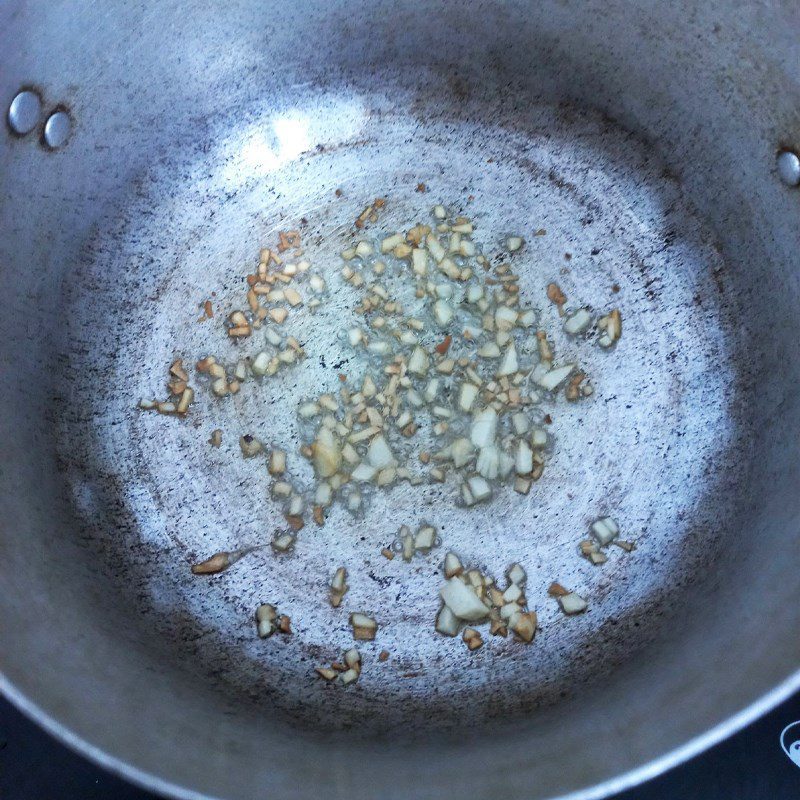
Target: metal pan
(644, 141)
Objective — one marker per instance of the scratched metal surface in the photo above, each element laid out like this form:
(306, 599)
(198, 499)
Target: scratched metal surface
(663, 413)
(648, 134)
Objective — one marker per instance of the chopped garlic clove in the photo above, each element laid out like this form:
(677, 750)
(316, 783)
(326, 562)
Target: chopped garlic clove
(449, 268)
(187, 396)
(323, 496)
(461, 452)
(338, 587)
(523, 461)
(611, 325)
(368, 388)
(327, 454)
(390, 242)
(217, 563)
(328, 401)
(605, 530)
(281, 489)
(509, 365)
(578, 322)
(467, 396)
(512, 594)
(472, 638)
(379, 455)
(443, 312)
(406, 543)
(355, 336)
(506, 464)
(292, 296)
(446, 366)
(508, 611)
(419, 261)
(250, 446)
(277, 462)
(278, 315)
(463, 602)
(386, 477)
(364, 250)
(524, 625)
(326, 673)
(520, 422)
(484, 428)
(489, 350)
(283, 542)
(364, 627)
(317, 283)
(260, 363)
(505, 318)
(352, 658)
(425, 538)
(474, 293)
(447, 623)
(435, 248)
(364, 472)
(308, 410)
(419, 362)
(349, 676)
(339, 581)
(572, 603)
(467, 248)
(452, 565)
(349, 454)
(266, 615)
(488, 463)
(403, 420)
(516, 574)
(538, 437)
(553, 378)
(479, 489)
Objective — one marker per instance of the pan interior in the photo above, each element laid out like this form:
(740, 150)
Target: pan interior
(650, 448)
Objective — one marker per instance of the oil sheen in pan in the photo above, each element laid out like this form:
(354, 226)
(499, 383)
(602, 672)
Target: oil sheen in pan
(647, 447)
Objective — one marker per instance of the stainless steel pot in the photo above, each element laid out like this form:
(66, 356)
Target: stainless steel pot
(644, 138)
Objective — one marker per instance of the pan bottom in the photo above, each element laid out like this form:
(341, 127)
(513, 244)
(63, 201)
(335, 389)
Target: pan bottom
(652, 447)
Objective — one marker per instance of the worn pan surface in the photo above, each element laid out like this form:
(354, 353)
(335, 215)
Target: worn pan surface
(644, 142)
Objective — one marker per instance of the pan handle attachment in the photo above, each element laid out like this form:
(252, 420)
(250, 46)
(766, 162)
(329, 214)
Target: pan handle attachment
(25, 114)
(788, 164)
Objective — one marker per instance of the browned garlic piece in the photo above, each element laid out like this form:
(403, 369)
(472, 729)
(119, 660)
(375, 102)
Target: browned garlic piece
(364, 627)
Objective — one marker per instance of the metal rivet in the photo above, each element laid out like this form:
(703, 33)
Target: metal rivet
(789, 167)
(57, 129)
(23, 113)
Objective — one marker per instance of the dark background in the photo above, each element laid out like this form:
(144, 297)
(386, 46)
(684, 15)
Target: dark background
(749, 765)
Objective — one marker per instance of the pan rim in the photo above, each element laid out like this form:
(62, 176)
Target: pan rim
(626, 780)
